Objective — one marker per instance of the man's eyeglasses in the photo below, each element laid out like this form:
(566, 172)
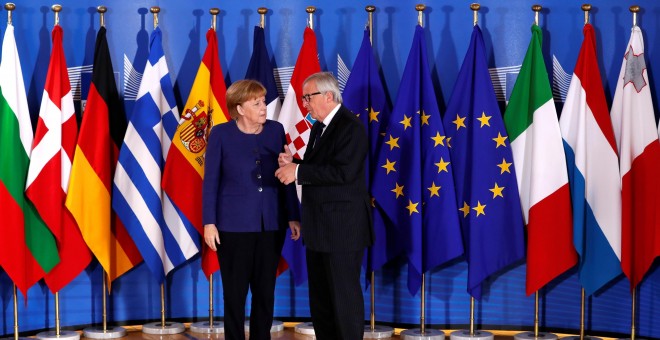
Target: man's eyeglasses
(307, 97)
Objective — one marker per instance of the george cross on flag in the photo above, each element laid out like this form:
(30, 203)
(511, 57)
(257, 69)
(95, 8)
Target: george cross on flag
(639, 162)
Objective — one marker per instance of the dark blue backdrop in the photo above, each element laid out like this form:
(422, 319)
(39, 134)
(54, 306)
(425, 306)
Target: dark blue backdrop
(339, 25)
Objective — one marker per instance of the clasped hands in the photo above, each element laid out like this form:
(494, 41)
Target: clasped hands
(287, 171)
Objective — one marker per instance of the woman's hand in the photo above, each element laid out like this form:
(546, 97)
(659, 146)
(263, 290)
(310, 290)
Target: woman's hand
(295, 230)
(211, 236)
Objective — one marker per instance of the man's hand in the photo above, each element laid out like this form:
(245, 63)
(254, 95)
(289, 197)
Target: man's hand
(295, 230)
(286, 174)
(211, 236)
(285, 157)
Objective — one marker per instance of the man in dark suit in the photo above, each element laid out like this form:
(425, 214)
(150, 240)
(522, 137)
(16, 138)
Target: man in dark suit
(336, 209)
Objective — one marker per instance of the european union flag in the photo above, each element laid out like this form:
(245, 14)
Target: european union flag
(364, 94)
(486, 187)
(413, 183)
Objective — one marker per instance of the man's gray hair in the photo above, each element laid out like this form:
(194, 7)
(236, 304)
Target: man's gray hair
(326, 82)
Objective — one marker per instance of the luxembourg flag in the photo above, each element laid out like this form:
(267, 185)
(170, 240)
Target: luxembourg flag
(593, 171)
(639, 153)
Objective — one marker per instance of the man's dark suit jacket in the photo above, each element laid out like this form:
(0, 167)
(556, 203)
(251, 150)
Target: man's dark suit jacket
(336, 207)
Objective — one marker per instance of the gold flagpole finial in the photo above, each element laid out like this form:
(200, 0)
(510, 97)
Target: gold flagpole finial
(634, 9)
(10, 7)
(155, 10)
(102, 10)
(214, 16)
(262, 16)
(310, 11)
(370, 9)
(536, 9)
(586, 8)
(57, 8)
(475, 10)
(420, 8)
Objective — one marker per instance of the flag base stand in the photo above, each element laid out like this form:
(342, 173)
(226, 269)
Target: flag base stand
(64, 335)
(379, 332)
(305, 328)
(278, 326)
(541, 336)
(167, 328)
(416, 334)
(204, 327)
(100, 333)
(464, 334)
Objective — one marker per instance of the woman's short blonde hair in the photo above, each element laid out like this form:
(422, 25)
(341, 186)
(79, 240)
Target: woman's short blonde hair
(242, 91)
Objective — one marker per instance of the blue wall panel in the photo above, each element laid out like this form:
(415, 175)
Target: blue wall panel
(338, 25)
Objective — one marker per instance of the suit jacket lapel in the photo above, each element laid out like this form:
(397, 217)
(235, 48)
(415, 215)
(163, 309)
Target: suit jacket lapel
(326, 133)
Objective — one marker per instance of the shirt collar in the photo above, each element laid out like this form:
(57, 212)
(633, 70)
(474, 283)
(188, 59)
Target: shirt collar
(331, 115)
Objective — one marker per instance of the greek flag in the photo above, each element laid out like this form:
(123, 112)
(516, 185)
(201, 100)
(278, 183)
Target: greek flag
(163, 235)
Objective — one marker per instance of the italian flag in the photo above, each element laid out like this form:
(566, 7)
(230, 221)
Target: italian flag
(538, 156)
(27, 248)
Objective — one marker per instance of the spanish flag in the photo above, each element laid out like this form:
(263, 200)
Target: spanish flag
(184, 167)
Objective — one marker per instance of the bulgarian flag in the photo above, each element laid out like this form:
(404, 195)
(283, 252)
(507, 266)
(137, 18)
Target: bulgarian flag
(50, 168)
(639, 163)
(184, 167)
(27, 248)
(538, 156)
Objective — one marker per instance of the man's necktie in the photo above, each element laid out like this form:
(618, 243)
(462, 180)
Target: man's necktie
(319, 130)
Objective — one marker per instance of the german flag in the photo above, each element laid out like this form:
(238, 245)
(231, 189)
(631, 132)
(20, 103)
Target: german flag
(101, 134)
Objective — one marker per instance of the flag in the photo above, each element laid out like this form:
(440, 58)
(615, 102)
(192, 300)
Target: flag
(27, 248)
(261, 69)
(414, 183)
(533, 128)
(161, 232)
(364, 94)
(593, 171)
(101, 133)
(295, 118)
(50, 169)
(184, 168)
(484, 174)
(297, 125)
(633, 121)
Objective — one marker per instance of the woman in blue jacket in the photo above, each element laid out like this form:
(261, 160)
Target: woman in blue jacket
(246, 209)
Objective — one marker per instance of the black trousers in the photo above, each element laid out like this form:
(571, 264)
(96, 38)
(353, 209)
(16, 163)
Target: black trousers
(249, 260)
(335, 294)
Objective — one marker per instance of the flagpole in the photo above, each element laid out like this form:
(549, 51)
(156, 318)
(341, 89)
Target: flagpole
(10, 7)
(310, 21)
(262, 16)
(422, 332)
(57, 334)
(94, 332)
(471, 333)
(162, 327)
(372, 331)
(16, 336)
(307, 328)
